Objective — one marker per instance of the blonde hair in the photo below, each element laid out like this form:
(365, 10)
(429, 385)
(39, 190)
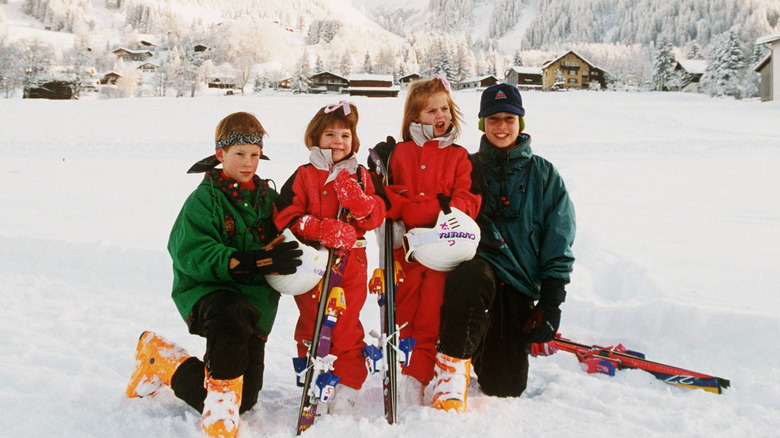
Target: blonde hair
(324, 120)
(417, 99)
(242, 122)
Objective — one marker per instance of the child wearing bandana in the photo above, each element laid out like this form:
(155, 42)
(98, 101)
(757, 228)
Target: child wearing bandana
(222, 244)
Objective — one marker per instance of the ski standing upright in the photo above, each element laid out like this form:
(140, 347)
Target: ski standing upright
(384, 282)
(314, 370)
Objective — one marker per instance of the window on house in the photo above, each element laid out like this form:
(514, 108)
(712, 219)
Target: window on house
(572, 80)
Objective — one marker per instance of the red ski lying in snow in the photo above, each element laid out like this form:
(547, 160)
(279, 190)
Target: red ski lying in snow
(606, 360)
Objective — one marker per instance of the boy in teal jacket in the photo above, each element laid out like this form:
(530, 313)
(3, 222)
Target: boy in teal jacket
(508, 296)
(223, 243)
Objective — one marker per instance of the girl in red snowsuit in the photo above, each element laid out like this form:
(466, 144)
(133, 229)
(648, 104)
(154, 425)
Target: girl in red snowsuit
(308, 204)
(426, 166)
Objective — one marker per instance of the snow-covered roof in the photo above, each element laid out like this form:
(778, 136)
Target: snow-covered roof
(527, 70)
(370, 77)
(768, 39)
(477, 79)
(326, 72)
(134, 52)
(585, 60)
(693, 66)
(762, 63)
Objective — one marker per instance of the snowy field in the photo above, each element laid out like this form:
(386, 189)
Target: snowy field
(678, 251)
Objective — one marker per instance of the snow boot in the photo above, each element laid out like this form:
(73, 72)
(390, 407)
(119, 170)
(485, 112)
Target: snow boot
(220, 409)
(156, 359)
(451, 383)
(410, 391)
(343, 401)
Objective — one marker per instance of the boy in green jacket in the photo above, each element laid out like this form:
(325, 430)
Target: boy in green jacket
(508, 296)
(222, 244)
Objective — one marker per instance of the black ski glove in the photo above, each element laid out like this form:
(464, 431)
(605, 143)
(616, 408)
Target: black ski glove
(283, 258)
(383, 149)
(546, 315)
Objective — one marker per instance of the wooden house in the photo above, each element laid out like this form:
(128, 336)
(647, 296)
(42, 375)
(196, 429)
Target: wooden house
(327, 82)
(60, 87)
(769, 67)
(476, 83)
(571, 71)
(110, 78)
(284, 83)
(524, 78)
(148, 67)
(132, 55)
(372, 85)
(222, 83)
(405, 81)
(693, 69)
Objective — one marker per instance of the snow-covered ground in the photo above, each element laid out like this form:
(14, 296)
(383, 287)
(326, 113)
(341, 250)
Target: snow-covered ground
(677, 256)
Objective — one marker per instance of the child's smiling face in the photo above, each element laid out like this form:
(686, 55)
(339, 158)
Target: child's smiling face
(339, 140)
(437, 113)
(502, 129)
(239, 162)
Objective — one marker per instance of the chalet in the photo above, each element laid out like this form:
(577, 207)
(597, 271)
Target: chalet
(571, 71)
(54, 87)
(132, 55)
(198, 48)
(405, 81)
(693, 69)
(477, 82)
(222, 83)
(327, 82)
(524, 78)
(769, 67)
(110, 78)
(372, 85)
(146, 43)
(148, 67)
(284, 83)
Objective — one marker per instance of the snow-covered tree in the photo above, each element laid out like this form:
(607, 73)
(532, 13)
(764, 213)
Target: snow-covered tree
(345, 64)
(505, 15)
(368, 65)
(301, 82)
(725, 69)
(11, 72)
(34, 59)
(663, 66)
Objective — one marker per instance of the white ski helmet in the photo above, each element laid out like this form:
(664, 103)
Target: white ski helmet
(307, 275)
(453, 240)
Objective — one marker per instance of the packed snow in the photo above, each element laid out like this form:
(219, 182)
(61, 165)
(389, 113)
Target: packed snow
(677, 256)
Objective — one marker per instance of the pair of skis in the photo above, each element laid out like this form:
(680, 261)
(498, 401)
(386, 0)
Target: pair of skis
(606, 360)
(314, 369)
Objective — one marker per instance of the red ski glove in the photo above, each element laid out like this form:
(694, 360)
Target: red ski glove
(332, 233)
(352, 197)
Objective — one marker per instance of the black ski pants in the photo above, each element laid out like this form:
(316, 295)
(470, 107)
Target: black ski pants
(483, 319)
(228, 321)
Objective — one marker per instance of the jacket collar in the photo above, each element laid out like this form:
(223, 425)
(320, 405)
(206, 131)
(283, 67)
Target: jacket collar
(233, 189)
(517, 156)
(422, 134)
(322, 159)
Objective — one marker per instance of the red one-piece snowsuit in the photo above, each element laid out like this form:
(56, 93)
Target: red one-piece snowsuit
(419, 174)
(310, 191)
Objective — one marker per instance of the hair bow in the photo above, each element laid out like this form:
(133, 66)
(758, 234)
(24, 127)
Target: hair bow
(445, 83)
(342, 104)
